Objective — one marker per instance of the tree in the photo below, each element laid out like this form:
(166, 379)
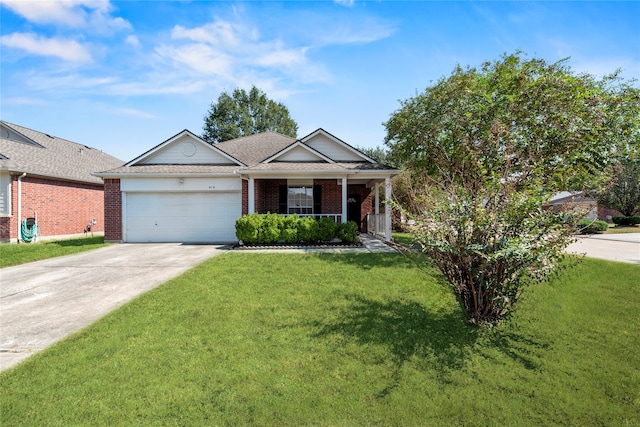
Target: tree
(243, 114)
(489, 146)
(623, 194)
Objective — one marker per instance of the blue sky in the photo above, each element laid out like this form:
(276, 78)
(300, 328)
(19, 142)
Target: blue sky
(124, 76)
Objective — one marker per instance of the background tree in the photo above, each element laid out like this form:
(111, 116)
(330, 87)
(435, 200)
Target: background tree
(243, 114)
(489, 146)
(623, 194)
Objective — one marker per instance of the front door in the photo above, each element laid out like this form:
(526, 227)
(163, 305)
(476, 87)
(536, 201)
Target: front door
(353, 209)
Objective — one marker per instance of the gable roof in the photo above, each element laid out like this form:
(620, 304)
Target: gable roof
(358, 155)
(300, 152)
(212, 155)
(37, 153)
(263, 153)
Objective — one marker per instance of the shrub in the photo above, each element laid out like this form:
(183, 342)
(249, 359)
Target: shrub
(289, 229)
(327, 229)
(348, 232)
(626, 220)
(247, 228)
(588, 226)
(308, 229)
(270, 228)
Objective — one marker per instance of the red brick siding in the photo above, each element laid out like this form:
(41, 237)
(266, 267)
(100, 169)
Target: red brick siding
(245, 197)
(267, 194)
(62, 207)
(331, 202)
(113, 210)
(603, 212)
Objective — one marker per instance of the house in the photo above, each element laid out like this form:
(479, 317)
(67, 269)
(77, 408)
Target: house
(48, 179)
(186, 190)
(566, 200)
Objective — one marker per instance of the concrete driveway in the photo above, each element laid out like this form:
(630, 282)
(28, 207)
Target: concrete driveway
(44, 301)
(612, 247)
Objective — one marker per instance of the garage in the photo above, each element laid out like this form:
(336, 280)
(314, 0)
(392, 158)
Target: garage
(200, 217)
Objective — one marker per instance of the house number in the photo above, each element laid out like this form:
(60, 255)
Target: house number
(212, 187)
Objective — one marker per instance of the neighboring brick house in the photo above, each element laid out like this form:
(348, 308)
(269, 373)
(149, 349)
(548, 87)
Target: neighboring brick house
(49, 178)
(566, 200)
(185, 190)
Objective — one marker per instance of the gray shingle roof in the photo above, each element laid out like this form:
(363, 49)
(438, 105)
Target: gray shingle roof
(253, 149)
(53, 157)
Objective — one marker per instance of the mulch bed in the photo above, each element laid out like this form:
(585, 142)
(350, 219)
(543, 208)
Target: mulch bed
(321, 245)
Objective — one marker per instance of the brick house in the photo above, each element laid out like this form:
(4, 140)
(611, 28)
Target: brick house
(49, 178)
(186, 190)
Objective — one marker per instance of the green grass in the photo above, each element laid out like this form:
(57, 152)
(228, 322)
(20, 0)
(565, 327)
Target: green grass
(342, 340)
(14, 254)
(617, 229)
(405, 239)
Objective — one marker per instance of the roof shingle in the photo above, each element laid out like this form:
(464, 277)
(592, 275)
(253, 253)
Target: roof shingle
(53, 157)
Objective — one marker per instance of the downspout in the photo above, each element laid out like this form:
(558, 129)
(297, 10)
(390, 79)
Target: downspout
(19, 204)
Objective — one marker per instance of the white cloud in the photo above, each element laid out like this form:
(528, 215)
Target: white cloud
(68, 50)
(283, 57)
(347, 3)
(88, 14)
(215, 33)
(132, 41)
(24, 101)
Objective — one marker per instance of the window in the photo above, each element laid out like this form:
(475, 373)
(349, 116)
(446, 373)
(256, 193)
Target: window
(300, 200)
(5, 194)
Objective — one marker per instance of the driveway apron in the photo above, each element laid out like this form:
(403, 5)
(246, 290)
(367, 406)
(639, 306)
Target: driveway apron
(44, 301)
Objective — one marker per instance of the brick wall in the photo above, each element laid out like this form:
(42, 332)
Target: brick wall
(268, 194)
(331, 195)
(245, 197)
(113, 210)
(63, 208)
(603, 212)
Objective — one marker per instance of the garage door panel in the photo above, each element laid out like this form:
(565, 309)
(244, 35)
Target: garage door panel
(182, 217)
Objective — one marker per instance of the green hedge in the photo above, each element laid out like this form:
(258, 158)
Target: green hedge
(588, 226)
(271, 228)
(626, 220)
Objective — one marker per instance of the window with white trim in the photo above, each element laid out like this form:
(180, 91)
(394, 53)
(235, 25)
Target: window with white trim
(300, 200)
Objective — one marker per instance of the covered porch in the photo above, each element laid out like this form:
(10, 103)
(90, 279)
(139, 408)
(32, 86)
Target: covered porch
(343, 198)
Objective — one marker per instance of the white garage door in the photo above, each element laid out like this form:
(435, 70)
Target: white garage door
(182, 217)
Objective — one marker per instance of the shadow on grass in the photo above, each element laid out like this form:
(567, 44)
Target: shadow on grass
(368, 261)
(84, 241)
(438, 341)
(407, 329)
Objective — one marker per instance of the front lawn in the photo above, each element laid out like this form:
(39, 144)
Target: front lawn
(21, 253)
(341, 340)
(623, 229)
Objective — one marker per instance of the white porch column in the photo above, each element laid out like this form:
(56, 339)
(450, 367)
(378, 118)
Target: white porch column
(387, 209)
(252, 196)
(344, 199)
(377, 211)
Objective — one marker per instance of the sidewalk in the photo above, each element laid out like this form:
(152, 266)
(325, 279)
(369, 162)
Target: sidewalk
(612, 247)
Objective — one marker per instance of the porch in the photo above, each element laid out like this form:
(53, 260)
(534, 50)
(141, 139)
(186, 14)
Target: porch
(341, 199)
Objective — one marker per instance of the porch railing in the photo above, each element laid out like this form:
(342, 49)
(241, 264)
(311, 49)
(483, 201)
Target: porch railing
(335, 217)
(376, 224)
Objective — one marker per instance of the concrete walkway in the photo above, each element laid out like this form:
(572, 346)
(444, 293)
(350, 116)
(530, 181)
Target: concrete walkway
(612, 247)
(44, 301)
